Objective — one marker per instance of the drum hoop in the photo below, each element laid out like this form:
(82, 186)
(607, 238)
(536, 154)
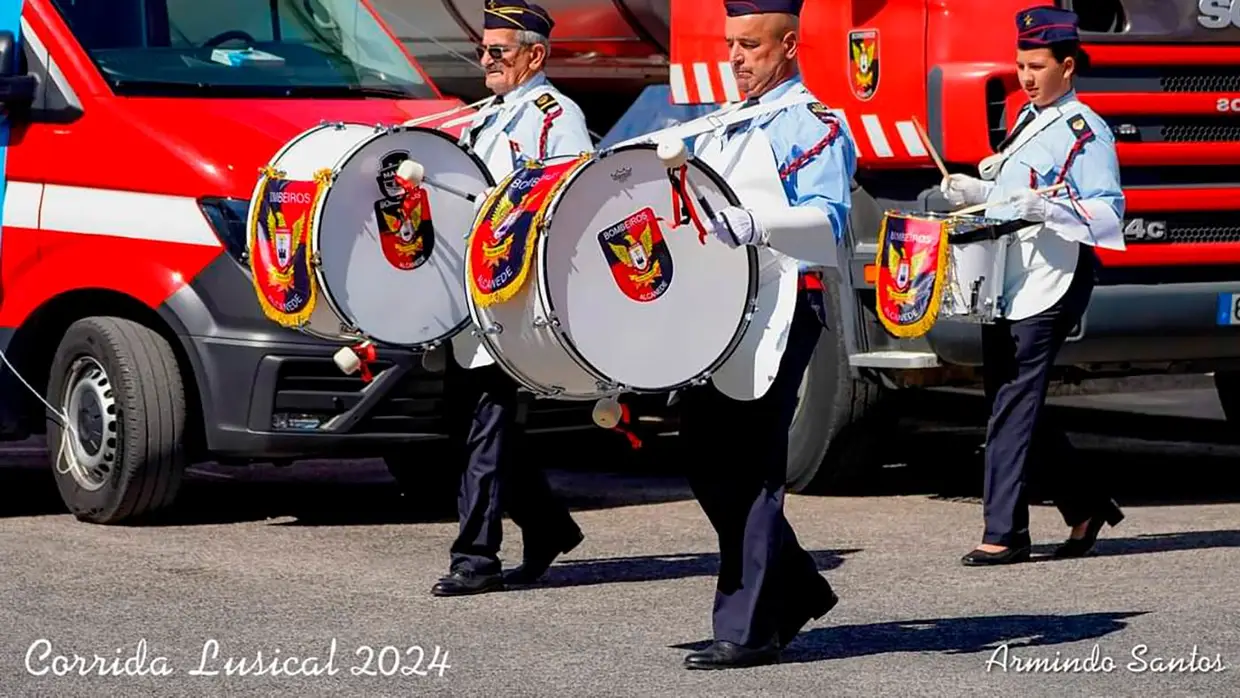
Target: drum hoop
(317, 216)
(498, 356)
(544, 297)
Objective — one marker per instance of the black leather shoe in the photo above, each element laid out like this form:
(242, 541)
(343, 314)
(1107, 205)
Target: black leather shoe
(1079, 547)
(789, 629)
(722, 654)
(465, 582)
(535, 563)
(1010, 555)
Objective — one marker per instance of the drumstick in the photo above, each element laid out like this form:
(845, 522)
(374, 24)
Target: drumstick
(449, 112)
(925, 138)
(415, 174)
(984, 206)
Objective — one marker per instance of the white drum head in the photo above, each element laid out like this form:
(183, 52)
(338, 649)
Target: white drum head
(400, 286)
(645, 304)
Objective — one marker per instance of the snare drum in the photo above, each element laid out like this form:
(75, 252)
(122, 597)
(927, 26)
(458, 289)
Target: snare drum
(933, 266)
(618, 299)
(338, 253)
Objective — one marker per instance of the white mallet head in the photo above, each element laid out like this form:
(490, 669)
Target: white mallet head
(672, 152)
(607, 413)
(347, 360)
(412, 172)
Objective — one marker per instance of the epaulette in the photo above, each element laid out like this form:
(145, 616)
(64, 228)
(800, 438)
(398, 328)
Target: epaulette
(1080, 128)
(546, 102)
(822, 113)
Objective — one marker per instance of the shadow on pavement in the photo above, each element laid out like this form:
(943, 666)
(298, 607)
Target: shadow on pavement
(949, 636)
(647, 568)
(1158, 543)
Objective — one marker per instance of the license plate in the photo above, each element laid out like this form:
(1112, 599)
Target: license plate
(1229, 308)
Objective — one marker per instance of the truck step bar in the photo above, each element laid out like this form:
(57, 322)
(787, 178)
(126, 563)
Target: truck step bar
(894, 359)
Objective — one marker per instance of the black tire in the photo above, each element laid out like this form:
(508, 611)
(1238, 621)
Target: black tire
(831, 445)
(131, 374)
(1227, 383)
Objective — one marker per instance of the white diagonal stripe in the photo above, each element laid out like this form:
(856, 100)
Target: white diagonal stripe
(878, 139)
(731, 92)
(701, 73)
(125, 214)
(912, 141)
(676, 80)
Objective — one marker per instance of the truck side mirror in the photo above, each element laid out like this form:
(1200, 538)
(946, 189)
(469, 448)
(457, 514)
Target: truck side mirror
(16, 87)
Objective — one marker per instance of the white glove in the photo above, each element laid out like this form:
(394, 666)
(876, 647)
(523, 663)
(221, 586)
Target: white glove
(735, 226)
(1031, 206)
(963, 190)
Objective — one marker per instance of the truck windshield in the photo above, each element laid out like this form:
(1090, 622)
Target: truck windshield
(273, 48)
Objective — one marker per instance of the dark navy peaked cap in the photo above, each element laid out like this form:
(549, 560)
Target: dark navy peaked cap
(1039, 27)
(740, 8)
(517, 14)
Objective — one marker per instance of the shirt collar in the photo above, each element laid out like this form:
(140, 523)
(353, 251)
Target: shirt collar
(1069, 96)
(780, 90)
(535, 82)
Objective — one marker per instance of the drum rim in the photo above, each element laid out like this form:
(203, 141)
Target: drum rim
(317, 215)
(570, 347)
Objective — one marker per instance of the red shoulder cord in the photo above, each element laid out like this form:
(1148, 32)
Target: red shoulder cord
(546, 131)
(1073, 198)
(803, 159)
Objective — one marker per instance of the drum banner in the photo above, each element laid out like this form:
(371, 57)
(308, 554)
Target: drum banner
(912, 271)
(501, 247)
(281, 226)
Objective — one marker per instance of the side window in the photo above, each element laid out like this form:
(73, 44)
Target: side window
(54, 100)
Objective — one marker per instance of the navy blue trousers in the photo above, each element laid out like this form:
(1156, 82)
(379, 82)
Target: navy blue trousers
(1017, 360)
(737, 455)
(498, 476)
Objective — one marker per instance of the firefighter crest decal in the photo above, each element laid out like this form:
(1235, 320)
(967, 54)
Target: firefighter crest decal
(640, 260)
(863, 62)
(403, 214)
(280, 233)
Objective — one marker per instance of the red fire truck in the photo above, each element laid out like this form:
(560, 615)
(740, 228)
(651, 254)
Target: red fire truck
(1165, 76)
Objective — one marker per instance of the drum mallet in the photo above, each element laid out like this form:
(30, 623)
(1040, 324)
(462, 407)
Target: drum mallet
(412, 172)
(674, 155)
(985, 205)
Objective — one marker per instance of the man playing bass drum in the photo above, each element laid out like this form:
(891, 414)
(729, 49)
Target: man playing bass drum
(1049, 280)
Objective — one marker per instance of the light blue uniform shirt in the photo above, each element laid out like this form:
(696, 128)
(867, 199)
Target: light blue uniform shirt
(1092, 174)
(822, 180)
(566, 135)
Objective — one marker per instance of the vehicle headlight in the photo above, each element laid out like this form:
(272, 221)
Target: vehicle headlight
(228, 218)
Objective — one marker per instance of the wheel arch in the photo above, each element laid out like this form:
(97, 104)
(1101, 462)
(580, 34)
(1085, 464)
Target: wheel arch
(32, 350)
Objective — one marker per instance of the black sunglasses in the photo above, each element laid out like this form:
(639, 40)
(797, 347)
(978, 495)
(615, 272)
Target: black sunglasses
(495, 51)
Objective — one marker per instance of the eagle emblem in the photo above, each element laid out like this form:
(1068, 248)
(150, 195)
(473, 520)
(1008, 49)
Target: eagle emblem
(863, 62)
(287, 242)
(904, 270)
(640, 260)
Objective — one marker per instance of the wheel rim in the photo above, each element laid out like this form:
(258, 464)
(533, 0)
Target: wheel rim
(90, 405)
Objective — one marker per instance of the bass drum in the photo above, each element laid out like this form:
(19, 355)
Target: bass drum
(387, 261)
(621, 299)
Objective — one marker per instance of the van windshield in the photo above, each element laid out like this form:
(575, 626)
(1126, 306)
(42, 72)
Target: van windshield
(272, 48)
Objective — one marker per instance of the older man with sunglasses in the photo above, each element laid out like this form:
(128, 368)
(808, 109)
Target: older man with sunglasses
(528, 119)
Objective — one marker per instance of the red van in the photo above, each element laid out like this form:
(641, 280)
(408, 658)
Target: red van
(125, 299)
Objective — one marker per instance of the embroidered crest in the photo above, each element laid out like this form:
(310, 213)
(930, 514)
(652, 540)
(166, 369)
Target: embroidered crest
(912, 269)
(1080, 128)
(387, 173)
(822, 113)
(281, 227)
(863, 62)
(640, 260)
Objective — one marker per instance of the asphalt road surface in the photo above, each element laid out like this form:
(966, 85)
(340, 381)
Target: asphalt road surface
(329, 561)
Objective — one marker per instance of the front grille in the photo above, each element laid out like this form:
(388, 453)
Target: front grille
(1183, 227)
(310, 390)
(1160, 79)
(1174, 129)
(1181, 176)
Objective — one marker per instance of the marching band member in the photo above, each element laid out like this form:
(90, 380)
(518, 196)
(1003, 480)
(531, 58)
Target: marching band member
(769, 586)
(1049, 280)
(530, 119)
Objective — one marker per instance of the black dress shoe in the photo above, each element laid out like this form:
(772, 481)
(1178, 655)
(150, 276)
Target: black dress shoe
(722, 654)
(789, 629)
(464, 582)
(1010, 555)
(1079, 547)
(536, 562)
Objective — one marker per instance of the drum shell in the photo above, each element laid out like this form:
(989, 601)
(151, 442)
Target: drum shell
(975, 281)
